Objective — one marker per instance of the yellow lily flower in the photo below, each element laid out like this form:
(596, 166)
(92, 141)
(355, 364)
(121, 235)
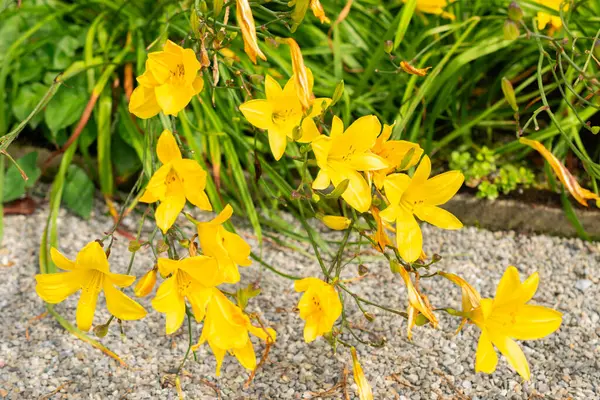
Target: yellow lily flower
(319, 306)
(507, 317)
(335, 222)
(245, 20)
(364, 388)
(227, 248)
(90, 272)
(170, 81)
(193, 278)
(281, 112)
(394, 153)
(416, 303)
(146, 283)
(343, 154)
(544, 18)
(434, 7)
(227, 328)
(175, 181)
(420, 196)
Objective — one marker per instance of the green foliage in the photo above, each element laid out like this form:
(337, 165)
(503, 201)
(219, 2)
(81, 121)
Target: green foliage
(14, 184)
(485, 171)
(78, 193)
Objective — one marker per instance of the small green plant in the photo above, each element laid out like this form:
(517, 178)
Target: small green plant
(482, 171)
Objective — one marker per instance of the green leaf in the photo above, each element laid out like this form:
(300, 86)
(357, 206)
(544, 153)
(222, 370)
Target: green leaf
(14, 184)
(407, 12)
(65, 108)
(65, 52)
(78, 193)
(27, 98)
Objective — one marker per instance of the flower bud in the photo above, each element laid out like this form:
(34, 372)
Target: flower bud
(337, 93)
(509, 93)
(370, 317)
(145, 284)
(162, 246)
(388, 46)
(134, 246)
(101, 330)
(515, 13)
(511, 30)
(335, 222)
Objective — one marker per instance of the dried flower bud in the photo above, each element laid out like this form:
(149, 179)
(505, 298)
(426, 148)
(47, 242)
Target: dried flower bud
(362, 269)
(134, 246)
(509, 93)
(515, 13)
(162, 246)
(101, 330)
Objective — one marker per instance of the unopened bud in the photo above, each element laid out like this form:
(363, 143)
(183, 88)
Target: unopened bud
(511, 30)
(257, 79)
(388, 46)
(515, 13)
(316, 197)
(134, 246)
(101, 330)
(145, 284)
(203, 7)
(509, 94)
(297, 132)
(436, 257)
(337, 93)
(370, 317)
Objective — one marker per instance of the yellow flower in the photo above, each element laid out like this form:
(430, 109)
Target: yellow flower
(227, 248)
(544, 18)
(434, 7)
(420, 196)
(394, 153)
(245, 20)
(177, 179)
(416, 303)
(364, 388)
(145, 284)
(227, 328)
(281, 112)
(319, 306)
(193, 278)
(300, 74)
(335, 222)
(508, 317)
(90, 272)
(170, 81)
(342, 155)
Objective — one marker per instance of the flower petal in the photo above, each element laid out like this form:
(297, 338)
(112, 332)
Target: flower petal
(121, 305)
(54, 288)
(120, 280)
(191, 65)
(237, 248)
(509, 286)
(513, 353)
(322, 181)
(309, 131)
(143, 103)
(311, 329)
(92, 256)
(193, 178)
(367, 161)
(168, 210)
(167, 148)
(169, 301)
(534, 322)
(395, 185)
(273, 89)
(277, 142)
(439, 189)
(61, 261)
(246, 355)
(86, 307)
(173, 98)
(358, 193)
(258, 112)
(437, 216)
(409, 239)
(199, 299)
(486, 359)
(157, 188)
(421, 173)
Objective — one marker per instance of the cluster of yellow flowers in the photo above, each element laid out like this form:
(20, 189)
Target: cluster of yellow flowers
(195, 278)
(362, 162)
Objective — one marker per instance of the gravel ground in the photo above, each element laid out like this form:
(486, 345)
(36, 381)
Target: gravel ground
(38, 359)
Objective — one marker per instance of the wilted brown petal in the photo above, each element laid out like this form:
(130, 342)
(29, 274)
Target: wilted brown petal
(412, 70)
(245, 21)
